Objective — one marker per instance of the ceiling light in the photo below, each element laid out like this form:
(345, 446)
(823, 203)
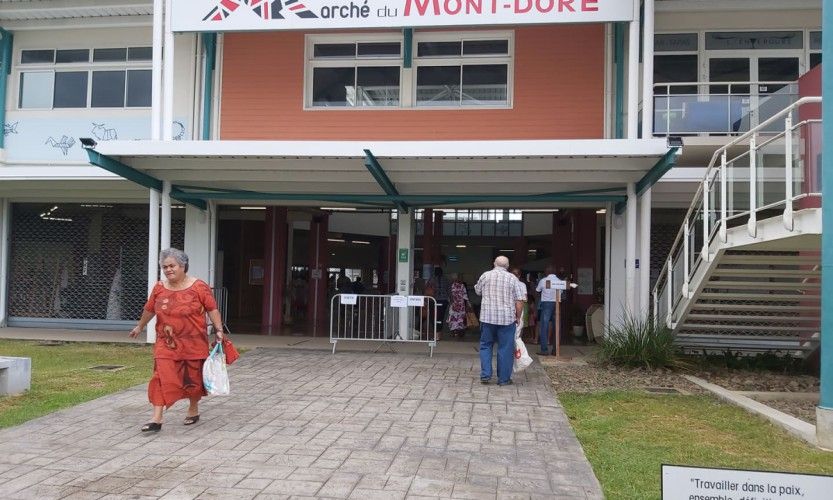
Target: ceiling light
(507, 250)
(252, 208)
(601, 211)
(335, 240)
(461, 246)
(339, 209)
(360, 242)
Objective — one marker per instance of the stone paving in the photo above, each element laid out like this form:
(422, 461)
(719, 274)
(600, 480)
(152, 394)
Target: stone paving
(307, 424)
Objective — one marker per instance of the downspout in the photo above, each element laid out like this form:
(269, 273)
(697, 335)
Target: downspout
(619, 78)
(7, 40)
(209, 42)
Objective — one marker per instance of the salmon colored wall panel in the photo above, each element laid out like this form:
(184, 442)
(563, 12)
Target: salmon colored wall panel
(558, 94)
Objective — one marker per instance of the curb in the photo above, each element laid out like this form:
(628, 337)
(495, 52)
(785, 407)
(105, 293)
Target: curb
(792, 425)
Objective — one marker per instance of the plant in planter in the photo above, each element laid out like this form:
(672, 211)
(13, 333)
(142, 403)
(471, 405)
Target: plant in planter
(640, 341)
(578, 320)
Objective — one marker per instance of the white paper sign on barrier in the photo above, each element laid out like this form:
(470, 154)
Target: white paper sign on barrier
(237, 15)
(398, 301)
(695, 483)
(349, 299)
(416, 300)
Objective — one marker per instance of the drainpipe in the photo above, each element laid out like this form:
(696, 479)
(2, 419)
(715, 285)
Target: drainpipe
(824, 412)
(209, 42)
(6, 42)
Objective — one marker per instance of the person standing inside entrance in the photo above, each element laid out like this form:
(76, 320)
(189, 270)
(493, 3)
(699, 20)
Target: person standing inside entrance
(500, 312)
(546, 307)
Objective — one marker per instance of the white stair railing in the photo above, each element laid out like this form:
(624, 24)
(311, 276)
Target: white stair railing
(726, 167)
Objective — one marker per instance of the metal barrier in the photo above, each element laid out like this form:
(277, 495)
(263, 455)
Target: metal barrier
(383, 318)
(221, 297)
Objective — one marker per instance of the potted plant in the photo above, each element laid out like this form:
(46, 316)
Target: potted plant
(577, 314)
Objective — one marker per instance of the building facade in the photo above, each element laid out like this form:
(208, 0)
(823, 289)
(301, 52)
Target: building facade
(285, 143)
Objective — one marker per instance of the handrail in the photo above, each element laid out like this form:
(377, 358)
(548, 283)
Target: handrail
(703, 201)
(738, 82)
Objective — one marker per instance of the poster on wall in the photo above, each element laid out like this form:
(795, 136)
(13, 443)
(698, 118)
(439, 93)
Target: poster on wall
(266, 15)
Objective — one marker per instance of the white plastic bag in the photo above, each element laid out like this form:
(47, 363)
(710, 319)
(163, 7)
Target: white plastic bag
(522, 357)
(214, 373)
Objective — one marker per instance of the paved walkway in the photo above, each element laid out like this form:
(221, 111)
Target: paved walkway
(305, 424)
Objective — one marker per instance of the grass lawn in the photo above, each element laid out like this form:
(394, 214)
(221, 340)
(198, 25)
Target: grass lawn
(61, 378)
(628, 435)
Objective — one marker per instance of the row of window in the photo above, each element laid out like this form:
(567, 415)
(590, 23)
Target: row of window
(447, 73)
(117, 77)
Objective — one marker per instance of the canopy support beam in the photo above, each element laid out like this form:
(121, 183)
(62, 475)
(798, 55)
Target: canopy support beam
(378, 173)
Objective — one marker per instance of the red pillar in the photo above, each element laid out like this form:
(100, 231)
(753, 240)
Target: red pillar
(521, 252)
(319, 253)
(438, 240)
(428, 255)
(274, 276)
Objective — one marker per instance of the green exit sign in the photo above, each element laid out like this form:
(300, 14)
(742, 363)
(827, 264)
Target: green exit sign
(403, 255)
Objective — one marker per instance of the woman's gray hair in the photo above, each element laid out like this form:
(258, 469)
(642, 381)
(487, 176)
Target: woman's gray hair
(178, 255)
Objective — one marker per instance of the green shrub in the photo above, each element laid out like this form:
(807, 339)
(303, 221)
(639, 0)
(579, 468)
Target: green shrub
(638, 341)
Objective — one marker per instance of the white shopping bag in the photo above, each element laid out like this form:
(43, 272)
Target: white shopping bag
(522, 357)
(214, 373)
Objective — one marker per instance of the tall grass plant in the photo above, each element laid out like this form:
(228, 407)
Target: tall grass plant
(639, 341)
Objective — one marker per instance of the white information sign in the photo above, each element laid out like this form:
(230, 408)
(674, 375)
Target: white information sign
(349, 299)
(416, 300)
(266, 15)
(696, 483)
(399, 301)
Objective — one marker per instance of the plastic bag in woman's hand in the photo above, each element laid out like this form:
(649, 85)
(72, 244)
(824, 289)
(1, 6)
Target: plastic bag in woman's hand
(522, 357)
(214, 373)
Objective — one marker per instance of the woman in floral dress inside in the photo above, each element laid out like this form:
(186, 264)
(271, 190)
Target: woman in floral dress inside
(457, 309)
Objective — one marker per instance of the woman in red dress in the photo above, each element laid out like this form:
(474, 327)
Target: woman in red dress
(180, 304)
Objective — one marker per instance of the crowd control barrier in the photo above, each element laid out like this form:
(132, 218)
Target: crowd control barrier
(387, 319)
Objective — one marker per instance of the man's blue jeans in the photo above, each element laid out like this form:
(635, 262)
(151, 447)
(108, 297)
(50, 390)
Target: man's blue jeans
(546, 316)
(504, 335)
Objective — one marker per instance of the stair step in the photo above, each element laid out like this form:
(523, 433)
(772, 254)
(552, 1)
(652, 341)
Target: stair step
(773, 260)
(768, 273)
(762, 285)
(699, 306)
(750, 328)
(763, 297)
(758, 317)
(745, 342)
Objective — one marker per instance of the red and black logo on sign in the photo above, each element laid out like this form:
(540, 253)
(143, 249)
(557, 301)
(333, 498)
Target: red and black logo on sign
(262, 8)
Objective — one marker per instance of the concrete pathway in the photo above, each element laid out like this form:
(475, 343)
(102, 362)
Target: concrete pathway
(306, 424)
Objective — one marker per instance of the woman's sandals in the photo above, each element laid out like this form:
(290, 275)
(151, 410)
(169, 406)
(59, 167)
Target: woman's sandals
(152, 427)
(191, 420)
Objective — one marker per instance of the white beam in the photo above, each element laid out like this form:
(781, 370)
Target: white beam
(648, 69)
(404, 273)
(168, 77)
(630, 252)
(165, 229)
(645, 251)
(633, 74)
(156, 73)
(5, 220)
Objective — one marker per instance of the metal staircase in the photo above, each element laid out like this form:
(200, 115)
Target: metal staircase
(744, 273)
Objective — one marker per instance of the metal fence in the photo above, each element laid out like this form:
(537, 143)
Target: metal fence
(80, 265)
(384, 319)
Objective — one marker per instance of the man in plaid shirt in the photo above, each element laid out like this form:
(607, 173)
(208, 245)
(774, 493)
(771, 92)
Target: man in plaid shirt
(500, 310)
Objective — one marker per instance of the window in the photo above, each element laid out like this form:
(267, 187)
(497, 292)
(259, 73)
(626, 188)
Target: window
(815, 49)
(462, 72)
(80, 78)
(355, 74)
(675, 62)
(449, 70)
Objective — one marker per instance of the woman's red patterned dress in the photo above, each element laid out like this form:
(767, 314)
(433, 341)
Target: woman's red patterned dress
(181, 342)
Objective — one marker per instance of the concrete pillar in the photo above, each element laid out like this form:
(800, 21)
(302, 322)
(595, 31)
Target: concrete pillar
(633, 75)
(165, 221)
(198, 244)
(404, 265)
(153, 255)
(428, 256)
(317, 306)
(5, 221)
(645, 253)
(648, 69)
(274, 275)
(824, 412)
(630, 252)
